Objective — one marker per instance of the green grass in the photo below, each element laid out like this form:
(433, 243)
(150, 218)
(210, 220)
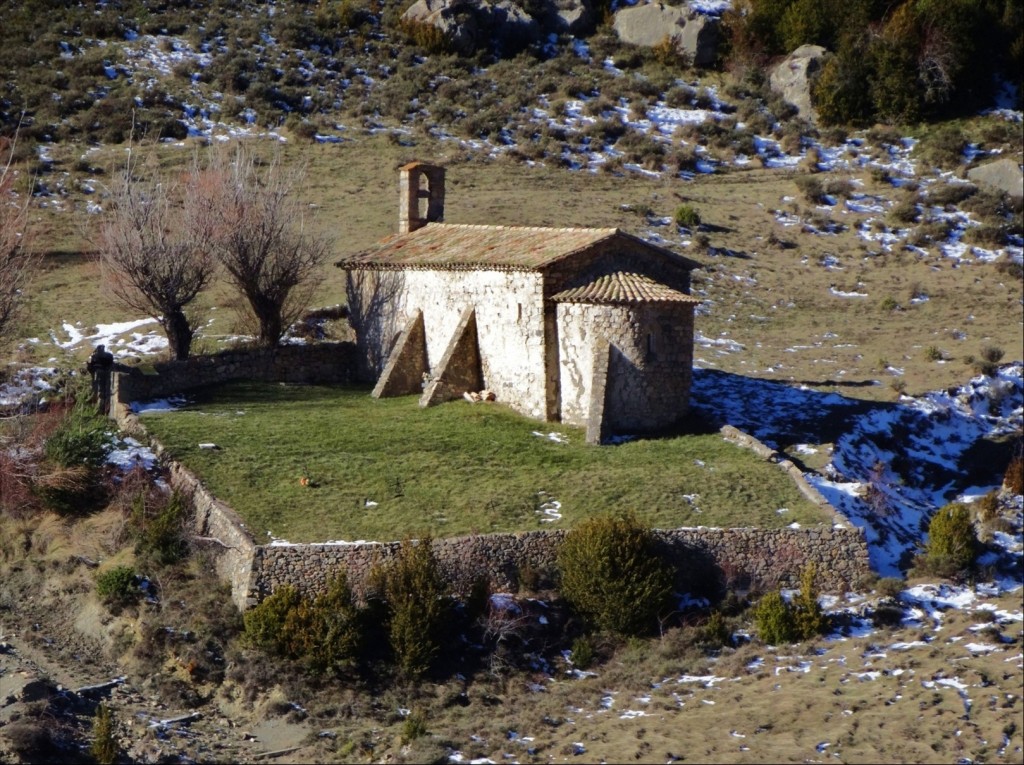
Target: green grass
(449, 470)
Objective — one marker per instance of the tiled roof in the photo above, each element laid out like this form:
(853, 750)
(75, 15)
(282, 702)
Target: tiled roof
(459, 246)
(623, 287)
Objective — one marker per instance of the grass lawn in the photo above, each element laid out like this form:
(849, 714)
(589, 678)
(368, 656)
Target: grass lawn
(450, 470)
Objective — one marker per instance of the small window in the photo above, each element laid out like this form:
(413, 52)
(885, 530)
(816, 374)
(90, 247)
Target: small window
(519, 313)
(651, 346)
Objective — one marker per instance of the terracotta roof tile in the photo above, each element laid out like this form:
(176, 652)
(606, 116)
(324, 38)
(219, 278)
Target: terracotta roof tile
(623, 287)
(461, 246)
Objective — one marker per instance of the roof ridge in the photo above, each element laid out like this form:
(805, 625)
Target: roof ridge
(510, 227)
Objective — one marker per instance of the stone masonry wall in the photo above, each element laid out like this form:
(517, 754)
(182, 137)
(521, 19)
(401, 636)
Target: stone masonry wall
(509, 325)
(648, 385)
(324, 363)
(742, 558)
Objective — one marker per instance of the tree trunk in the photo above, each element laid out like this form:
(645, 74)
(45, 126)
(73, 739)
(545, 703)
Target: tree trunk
(179, 333)
(268, 316)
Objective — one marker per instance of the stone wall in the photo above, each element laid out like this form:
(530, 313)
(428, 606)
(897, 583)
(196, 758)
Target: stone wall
(323, 363)
(509, 315)
(647, 386)
(739, 558)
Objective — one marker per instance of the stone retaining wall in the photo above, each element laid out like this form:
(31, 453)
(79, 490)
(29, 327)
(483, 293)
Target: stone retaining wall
(735, 558)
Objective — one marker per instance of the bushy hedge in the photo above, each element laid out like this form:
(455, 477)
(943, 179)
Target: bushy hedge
(613, 576)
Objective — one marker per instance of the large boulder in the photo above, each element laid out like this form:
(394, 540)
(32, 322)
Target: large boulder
(471, 24)
(696, 35)
(648, 25)
(792, 78)
(1003, 175)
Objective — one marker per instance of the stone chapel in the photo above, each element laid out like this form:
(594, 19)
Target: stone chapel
(587, 326)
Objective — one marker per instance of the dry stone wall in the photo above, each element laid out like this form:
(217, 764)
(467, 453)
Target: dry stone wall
(325, 363)
(741, 558)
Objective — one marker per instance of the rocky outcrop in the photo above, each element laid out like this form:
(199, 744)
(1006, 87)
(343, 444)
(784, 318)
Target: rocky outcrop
(696, 35)
(1003, 175)
(574, 17)
(471, 24)
(792, 79)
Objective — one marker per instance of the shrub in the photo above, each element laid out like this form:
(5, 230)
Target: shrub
(414, 727)
(158, 525)
(117, 585)
(716, 632)
(612, 574)
(773, 620)
(1013, 479)
(418, 606)
(687, 217)
(887, 615)
(988, 364)
(582, 654)
(104, 747)
(810, 186)
(932, 353)
(777, 621)
(75, 451)
(272, 625)
(808, 618)
(80, 439)
(336, 634)
(890, 586)
(952, 544)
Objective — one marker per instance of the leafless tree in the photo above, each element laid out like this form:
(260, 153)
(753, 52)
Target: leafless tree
(264, 242)
(155, 249)
(17, 260)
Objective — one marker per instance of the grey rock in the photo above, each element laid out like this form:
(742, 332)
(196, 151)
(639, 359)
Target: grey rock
(1003, 175)
(470, 24)
(696, 35)
(648, 25)
(792, 78)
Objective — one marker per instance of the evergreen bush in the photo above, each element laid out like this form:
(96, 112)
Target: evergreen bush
(952, 544)
(418, 606)
(158, 526)
(613, 575)
(272, 625)
(773, 620)
(104, 744)
(117, 585)
(687, 217)
(808, 618)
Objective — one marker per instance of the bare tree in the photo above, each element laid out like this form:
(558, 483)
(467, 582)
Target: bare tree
(270, 254)
(155, 249)
(17, 260)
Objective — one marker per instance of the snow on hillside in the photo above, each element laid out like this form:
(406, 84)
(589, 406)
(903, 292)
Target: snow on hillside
(892, 464)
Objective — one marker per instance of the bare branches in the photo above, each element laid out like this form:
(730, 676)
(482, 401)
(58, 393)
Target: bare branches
(155, 249)
(263, 242)
(17, 261)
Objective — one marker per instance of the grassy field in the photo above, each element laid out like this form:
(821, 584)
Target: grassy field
(384, 469)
